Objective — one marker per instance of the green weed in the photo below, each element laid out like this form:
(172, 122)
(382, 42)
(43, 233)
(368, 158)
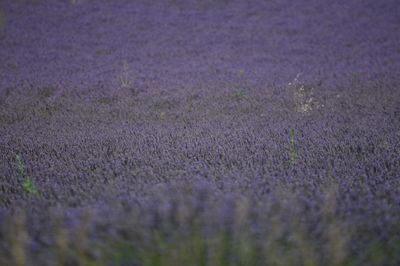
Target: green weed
(28, 184)
(293, 155)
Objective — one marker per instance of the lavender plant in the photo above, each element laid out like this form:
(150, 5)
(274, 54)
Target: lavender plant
(194, 170)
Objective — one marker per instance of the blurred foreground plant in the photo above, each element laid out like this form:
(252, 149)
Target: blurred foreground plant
(282, 235)
(2, 19)
(18, 237)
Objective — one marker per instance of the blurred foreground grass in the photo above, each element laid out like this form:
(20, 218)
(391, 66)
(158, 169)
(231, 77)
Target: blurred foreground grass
(181, 235)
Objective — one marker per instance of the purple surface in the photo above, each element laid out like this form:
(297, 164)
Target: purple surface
(211, 112)
(190, 43)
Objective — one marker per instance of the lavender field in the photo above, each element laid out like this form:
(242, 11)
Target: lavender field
(199, 132)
